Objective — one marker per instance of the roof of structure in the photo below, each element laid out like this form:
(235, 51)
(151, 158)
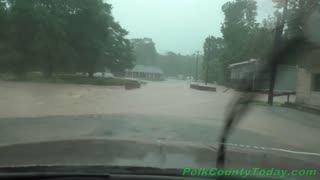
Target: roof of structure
(146, 69)
(244, 62)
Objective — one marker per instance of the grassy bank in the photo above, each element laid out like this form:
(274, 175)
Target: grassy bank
(264, 103)
(257, 102)
(71, 79)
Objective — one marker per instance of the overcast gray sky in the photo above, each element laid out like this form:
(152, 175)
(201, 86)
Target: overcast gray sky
(180, 26)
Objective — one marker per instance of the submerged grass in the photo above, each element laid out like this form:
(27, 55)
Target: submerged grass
(71, 79)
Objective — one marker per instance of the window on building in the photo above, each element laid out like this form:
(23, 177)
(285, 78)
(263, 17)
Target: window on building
(316, 82)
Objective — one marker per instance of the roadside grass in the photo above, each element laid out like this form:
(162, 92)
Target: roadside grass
(260, 103)
(69, 79)
(264, 103)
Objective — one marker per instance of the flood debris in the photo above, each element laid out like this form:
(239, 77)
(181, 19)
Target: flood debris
(132, 85)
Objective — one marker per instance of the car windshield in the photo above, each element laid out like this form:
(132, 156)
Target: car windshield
(161, 83)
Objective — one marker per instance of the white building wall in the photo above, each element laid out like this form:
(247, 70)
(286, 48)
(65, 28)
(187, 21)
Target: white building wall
(305, 95)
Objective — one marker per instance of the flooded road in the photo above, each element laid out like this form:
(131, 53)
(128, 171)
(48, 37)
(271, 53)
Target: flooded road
(173, 98)
(170, 110)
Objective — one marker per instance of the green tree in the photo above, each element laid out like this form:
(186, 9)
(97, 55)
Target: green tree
(3, 37)
(62, 36)
(89, 26)
(51, 45)
(238, 27)
(213, 50)
(21, 28)
(120, 51)
(260, 42)
(145, 51)
(3, 16)
(298, 13)
(243, 39)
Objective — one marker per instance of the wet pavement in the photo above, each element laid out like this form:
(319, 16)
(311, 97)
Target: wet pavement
(167, 111)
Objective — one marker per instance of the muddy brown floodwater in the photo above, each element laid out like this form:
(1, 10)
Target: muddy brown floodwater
(159, 110)
(164, 98)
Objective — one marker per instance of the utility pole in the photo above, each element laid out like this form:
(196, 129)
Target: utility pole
(207, 70)
(207, 65)
(197, 61)
(276, 46)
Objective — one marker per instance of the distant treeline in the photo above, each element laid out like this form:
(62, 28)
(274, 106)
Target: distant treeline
(172, 64)
(62, 36)
(176, 64)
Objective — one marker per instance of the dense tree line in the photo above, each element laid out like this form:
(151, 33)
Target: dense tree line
(62, 36)
(298, 14)
(244, 38)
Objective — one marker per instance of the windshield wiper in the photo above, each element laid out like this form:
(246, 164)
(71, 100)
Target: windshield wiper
(241, 105)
